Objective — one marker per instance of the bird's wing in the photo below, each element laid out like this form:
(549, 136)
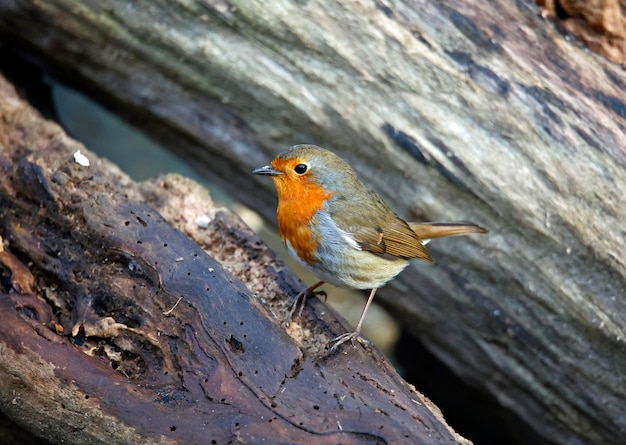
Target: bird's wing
(396, 238)
(374, 226)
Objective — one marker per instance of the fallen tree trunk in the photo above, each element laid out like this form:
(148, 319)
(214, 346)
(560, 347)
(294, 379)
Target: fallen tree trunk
(118, 328)
(454, 110)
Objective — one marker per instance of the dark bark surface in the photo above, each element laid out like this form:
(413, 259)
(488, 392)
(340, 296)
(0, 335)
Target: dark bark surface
(451, 110)
(118, 328)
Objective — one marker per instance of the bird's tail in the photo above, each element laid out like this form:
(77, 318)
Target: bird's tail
(431, 230)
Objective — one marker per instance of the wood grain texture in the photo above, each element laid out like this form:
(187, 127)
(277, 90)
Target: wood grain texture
(450, 110)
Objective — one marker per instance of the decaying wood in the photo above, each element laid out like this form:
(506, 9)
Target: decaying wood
(118, 328)
(600, 25)
(451, 110)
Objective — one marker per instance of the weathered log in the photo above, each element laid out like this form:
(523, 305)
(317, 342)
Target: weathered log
(118, 328)
(600, 25)
(451, 110)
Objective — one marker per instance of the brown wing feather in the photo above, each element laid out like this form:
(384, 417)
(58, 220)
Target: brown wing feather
(396, 239)
(377, 229)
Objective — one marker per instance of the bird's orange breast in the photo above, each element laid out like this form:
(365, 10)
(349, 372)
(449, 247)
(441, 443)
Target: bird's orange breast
(298, 201)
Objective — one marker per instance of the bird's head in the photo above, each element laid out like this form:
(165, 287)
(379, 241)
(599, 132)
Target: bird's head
(303, 170)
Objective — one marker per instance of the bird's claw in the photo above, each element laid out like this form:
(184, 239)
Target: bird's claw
(348, 336)
(320, 293)
(300, 301)
(296, 306)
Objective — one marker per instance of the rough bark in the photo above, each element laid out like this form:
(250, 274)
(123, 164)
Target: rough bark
(451, 110)
(601, 25)
(118, 328)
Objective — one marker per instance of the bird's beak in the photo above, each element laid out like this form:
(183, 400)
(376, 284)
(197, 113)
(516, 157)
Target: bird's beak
(266, 171)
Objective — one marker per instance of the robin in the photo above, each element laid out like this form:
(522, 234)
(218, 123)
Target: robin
(340, 230)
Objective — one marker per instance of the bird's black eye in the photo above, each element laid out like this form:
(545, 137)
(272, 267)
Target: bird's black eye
(301, 169)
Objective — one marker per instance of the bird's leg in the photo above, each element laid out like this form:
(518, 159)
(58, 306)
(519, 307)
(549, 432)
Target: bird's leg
(300, 301)
(356, 334)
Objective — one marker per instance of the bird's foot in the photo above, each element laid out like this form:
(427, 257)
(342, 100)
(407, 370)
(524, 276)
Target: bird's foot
(298, 304)
(348, 336)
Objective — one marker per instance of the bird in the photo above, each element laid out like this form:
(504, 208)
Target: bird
(342, 231)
